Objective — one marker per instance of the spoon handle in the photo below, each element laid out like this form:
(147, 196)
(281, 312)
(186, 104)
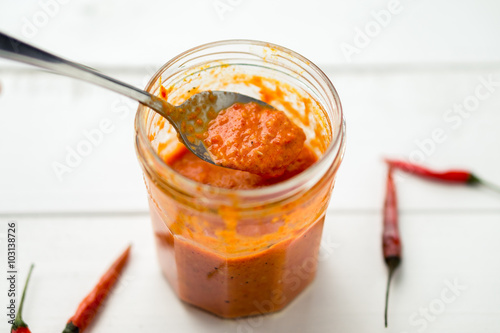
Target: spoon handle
(14, 49)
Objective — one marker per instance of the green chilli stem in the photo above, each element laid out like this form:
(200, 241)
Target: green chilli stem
(393, 263)
(474, 180)
(491, 186)
(18, 322)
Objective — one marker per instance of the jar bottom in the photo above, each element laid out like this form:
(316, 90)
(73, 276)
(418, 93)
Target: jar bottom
(232, 287)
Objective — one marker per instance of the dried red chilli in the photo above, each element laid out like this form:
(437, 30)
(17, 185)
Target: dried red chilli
(19, 326)
(391, 240)
(87, 309)
(449, 176)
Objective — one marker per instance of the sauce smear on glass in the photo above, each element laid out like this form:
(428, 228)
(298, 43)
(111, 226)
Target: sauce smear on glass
(191, 166)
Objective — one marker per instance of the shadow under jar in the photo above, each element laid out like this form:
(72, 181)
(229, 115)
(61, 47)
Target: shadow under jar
(240, 252)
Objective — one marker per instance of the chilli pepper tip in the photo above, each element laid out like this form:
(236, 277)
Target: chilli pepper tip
(89, 306)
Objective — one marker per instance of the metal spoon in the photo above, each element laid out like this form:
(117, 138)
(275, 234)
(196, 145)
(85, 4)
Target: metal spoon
(204, 106)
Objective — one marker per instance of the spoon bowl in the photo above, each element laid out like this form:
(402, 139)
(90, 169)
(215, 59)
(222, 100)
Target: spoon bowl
(191, 118)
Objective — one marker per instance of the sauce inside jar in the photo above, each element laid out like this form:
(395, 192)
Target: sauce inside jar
(254, 138)
(192, 167)
(224, 259)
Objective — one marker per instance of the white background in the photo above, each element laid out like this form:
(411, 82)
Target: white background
(397, 89)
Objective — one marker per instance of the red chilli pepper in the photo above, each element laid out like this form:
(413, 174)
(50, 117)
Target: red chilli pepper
(19, 326)
(391, 241)
(450, 176)
(87, 309)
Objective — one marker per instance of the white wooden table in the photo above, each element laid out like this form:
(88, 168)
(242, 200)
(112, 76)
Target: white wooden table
(397, 87)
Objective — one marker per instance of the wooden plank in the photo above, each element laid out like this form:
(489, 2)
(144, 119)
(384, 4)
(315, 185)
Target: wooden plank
(154, 31)
(57, 121)
(348, 294)
(395, 115)
(391, 114)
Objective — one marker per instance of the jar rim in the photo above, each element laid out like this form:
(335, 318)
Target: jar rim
(331, 156)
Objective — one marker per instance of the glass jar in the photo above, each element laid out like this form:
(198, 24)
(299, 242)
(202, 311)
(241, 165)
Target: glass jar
(233, 252)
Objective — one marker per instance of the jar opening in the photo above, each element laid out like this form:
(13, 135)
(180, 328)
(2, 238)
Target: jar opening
(254, 52)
